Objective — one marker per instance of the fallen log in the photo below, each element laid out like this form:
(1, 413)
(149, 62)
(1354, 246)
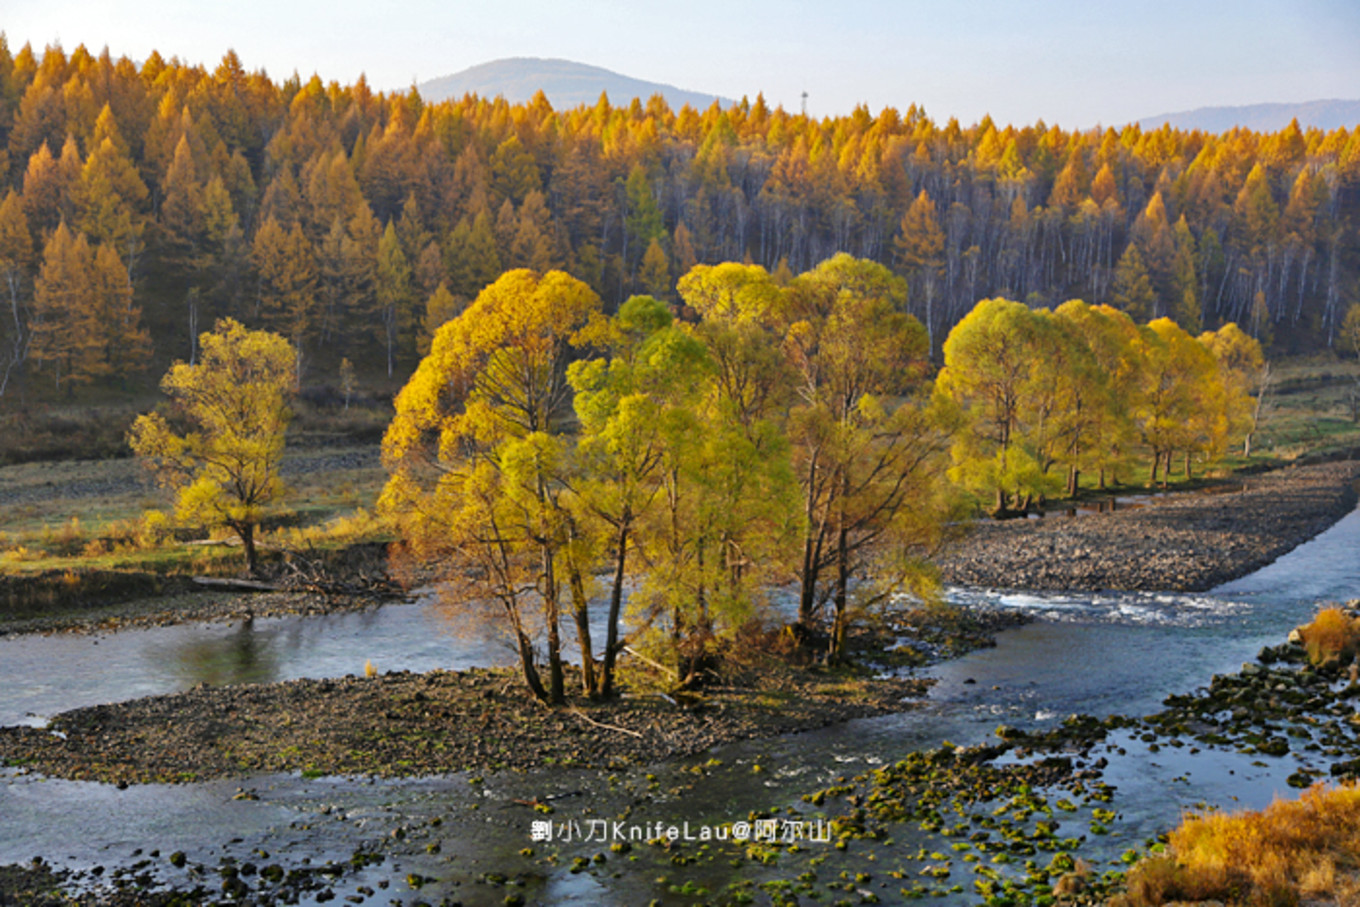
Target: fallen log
(241, 585)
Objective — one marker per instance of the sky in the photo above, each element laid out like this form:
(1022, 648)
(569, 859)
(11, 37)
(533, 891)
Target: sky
(1074, 64)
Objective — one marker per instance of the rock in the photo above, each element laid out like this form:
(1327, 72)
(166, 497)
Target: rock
(1184, 541)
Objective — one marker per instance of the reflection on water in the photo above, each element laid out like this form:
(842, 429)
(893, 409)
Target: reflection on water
(43, 675)
(430, 633)
(241, 657)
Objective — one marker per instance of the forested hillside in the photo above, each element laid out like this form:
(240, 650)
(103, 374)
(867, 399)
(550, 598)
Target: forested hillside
(143, 202)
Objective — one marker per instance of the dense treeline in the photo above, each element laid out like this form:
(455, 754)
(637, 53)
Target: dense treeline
(355, 222)
(784, 434)
(1034, 398)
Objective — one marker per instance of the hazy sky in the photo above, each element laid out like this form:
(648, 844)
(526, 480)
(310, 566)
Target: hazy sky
(1070, 62)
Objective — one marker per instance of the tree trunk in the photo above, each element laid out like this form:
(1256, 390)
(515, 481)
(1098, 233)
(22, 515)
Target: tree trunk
(611, 639)
(526, 661)
(807, 583)
(1187, 465)
(696, 639)
(808, 575)
(1156, 463)
(247, 533)
(581, 613)
(556, 678)
(838, 630)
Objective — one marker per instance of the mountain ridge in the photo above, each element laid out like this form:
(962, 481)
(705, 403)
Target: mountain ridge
(566, 84)
(1326, 114)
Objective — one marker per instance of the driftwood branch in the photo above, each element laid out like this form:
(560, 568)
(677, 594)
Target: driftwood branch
(608, 727)
(656, 664)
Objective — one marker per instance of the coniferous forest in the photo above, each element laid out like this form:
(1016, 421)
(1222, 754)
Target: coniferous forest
(142, 202)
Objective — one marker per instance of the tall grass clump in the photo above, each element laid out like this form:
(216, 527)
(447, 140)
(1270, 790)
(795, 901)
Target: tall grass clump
(1331, 638)
(1290, 852)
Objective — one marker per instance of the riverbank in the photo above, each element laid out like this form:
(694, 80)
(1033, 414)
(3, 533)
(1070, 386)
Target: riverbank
(347, 579)
(1184, 542)
(189, 606)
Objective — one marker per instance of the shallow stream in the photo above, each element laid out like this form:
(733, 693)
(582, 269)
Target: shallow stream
(1091, 653)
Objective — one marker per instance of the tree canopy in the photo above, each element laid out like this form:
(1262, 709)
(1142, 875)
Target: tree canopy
(225, 468)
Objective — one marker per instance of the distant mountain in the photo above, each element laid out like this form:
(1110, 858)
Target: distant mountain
(1325, 115)
(565, 83)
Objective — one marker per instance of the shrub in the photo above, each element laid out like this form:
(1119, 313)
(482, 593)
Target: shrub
(20, 554)
(66, 540)
(1283, 854)
(1331, 638)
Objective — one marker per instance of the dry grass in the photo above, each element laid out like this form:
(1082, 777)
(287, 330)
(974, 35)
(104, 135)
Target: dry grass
(1331, 638)
(345, 529)
(1292, 851)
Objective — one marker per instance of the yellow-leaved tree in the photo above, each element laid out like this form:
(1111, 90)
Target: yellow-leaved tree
(987, 389)
(225, 470)
(867, 457)
(477, 454)
(1182, 404)
(1099, 430)
(1244, 371)
(634, 409)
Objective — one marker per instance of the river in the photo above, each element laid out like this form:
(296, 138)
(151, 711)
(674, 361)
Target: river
(1090, 653)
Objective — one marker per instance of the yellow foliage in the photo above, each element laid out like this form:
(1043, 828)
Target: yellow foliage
(361, 525)
(225, 471)
(1280, 855)
(474, 436)
(20, 554)
(1332, 637)
(732, 292)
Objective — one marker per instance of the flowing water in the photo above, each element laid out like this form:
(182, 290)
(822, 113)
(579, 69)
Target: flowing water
(1098, 654)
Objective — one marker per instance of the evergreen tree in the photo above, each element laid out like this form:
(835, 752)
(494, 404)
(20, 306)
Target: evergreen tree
(655, 273)
(919, 251)
(44, 192)
(127, 344)
(440, 308)
(1132, 291)
(514, 173)
(111, 196)
(16, 259)
(395, 298)
(1187, 310)
(65, 324)
(287, 290)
